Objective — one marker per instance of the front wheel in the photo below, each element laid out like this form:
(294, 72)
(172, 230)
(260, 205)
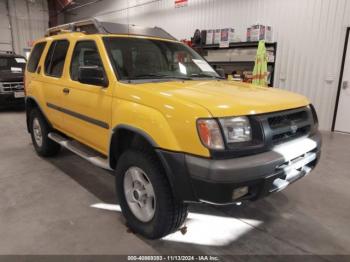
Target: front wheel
(145, 196)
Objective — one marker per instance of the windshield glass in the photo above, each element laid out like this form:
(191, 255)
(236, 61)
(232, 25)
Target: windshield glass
(139, 58)
(15, 64)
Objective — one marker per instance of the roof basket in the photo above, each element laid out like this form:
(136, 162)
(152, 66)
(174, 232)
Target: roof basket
(93, 26)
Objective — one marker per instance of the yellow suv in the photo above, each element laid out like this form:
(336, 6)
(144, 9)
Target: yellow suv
(137, 102)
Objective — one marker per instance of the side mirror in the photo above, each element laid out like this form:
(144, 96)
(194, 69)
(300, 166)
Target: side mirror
(92, 75)
(221, 72)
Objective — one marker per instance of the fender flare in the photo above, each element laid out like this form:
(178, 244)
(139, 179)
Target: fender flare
(179, 183)
(137, 131)
(133, 129)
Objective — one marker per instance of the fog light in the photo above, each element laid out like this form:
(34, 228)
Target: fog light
(239, 192)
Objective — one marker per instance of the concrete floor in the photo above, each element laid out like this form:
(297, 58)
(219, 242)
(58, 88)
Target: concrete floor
(45, 208)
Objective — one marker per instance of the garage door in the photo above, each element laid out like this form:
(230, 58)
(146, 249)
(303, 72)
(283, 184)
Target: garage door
(5, 31)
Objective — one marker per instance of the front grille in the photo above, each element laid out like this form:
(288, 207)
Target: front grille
(280, 121)
(279, 138)
(290, 124)
(11, 86)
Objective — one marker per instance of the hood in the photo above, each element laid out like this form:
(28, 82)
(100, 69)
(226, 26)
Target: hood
(228, 98)
(9, 76)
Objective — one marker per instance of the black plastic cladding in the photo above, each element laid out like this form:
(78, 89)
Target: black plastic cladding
(264, 137)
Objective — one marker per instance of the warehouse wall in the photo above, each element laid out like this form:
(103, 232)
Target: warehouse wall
(29, 21)
(5, 29)
(310, 34)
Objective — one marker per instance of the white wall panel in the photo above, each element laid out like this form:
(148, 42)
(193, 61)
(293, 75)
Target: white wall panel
(5, 30)
(310, 35)
(29, 21)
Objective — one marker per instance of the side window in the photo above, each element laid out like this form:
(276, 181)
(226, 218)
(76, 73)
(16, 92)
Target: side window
(35, 56)
(85, 54)
(55, 58)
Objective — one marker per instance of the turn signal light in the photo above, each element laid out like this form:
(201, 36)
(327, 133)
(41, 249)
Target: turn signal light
(210, 133)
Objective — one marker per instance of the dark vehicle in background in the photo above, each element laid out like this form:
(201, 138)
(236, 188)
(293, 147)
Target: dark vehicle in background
(12, 67)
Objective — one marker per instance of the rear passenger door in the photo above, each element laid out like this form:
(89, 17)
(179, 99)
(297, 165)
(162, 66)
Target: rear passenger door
(88, 106)
(54, 84)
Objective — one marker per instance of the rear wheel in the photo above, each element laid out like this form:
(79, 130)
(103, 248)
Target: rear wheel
(145, 195)
(39, 128)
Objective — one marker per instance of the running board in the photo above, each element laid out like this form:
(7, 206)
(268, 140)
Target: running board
(81, 150)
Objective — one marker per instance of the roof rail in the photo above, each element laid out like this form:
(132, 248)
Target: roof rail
(93, 26)
(79, 26)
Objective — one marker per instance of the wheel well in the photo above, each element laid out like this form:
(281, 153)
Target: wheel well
(30, 105)
(124, 139)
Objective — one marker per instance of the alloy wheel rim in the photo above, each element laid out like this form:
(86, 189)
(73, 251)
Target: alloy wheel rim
(37, 132)
(139, 194)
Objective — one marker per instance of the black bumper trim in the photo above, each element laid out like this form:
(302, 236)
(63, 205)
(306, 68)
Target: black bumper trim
(240, 169)
(196, 179)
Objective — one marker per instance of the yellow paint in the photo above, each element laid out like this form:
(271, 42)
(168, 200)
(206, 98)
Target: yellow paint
(166, 111)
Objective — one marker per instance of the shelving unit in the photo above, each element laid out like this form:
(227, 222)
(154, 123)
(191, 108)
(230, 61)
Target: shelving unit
(238, 56)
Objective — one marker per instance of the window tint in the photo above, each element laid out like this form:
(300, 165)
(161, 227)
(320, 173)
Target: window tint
(85, 54)
(35, 56)
(55, 58)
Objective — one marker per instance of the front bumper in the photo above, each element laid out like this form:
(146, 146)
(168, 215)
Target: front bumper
(8, 99)
(196, 179)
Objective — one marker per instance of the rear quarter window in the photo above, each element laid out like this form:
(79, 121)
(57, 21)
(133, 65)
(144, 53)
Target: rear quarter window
(35, 57)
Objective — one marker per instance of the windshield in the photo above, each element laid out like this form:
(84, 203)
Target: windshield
(139, 58)
(13, 64)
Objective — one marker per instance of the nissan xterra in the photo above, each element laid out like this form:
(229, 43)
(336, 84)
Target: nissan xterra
(140, 103)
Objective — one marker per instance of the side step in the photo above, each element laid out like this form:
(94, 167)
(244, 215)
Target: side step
(81, 150)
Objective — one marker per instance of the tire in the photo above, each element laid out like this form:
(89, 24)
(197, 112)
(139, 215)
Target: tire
(169, 213)
(40, 128)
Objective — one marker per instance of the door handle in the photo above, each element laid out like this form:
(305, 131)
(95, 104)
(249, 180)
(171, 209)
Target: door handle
(66, 90)
(345, 85)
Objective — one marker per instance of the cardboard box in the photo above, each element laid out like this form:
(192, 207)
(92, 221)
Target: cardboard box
(210, 37)
(227, 35)
(217, 36)
(248, 34)
(259, 32)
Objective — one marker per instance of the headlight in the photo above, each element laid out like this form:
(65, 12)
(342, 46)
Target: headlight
(210, 134)
(236, 129)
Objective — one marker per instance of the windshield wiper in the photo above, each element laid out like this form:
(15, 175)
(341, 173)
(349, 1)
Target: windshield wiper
(206, 76)
(149, 76)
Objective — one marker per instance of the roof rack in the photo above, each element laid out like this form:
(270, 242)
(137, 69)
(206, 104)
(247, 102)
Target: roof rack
(93, 26)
